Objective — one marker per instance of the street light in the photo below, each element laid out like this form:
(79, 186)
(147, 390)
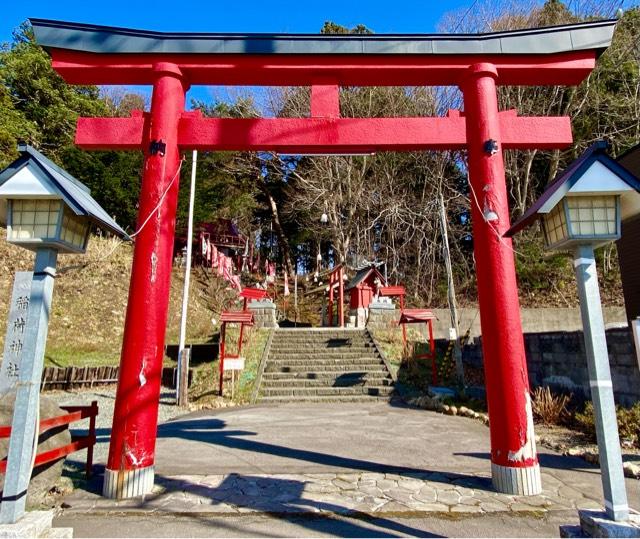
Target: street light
(48, 211)
(580, 210)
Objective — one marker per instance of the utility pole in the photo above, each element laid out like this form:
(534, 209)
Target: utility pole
(451, 293)
(182, 382)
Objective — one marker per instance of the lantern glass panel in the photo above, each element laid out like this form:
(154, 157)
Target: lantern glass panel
(34, 219)
(592, 215)
(74, 229)
(555, 225)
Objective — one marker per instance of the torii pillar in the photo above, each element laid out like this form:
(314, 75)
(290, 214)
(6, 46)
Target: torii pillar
(514, 462)
(130, 466)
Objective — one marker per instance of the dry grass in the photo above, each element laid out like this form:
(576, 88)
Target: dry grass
(548, 408)
(89, 302)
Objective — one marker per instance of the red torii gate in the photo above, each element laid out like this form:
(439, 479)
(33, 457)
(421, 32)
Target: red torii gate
(87, 54)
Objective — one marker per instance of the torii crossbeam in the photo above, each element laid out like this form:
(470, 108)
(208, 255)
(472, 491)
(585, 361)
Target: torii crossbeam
(86, 54)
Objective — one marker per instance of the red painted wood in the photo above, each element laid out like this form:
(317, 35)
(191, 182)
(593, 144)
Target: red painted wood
(392, 291)
(502, 342)
(135, 415)
(416, 316)
(240, 317)
(253, 293)
(325, 101)
(78, 67)
(77, 413)
(325, 135)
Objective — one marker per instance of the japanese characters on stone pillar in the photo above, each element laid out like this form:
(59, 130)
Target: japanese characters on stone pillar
(14, 337)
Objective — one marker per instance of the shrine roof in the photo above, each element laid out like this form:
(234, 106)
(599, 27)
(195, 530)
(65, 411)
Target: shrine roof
(112, 40)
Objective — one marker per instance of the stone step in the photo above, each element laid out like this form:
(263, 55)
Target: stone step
(336, 382)
(328, 376)
(333, 398)
(326, 391)
(323, 353)
(321, 344)
(307, 343)
(339, 365)
(346, 381)
(59, 533)
(288, 347)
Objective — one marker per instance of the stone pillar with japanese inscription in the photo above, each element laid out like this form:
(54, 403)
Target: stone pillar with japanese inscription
(14, 337)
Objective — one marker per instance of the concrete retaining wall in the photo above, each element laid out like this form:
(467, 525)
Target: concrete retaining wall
(558, 359)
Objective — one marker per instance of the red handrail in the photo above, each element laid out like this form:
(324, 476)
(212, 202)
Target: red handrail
(76, 413)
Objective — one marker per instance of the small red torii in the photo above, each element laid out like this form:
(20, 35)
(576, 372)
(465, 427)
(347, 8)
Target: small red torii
(421, 316)
(244, 318)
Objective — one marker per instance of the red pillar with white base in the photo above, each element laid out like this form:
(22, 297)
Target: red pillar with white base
(514, 462)
(130, 467)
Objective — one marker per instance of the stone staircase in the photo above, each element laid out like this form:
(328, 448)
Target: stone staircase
(324, 365)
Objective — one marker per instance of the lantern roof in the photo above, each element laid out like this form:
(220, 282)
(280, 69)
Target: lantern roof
(593, 172)
(32, 175)
(93, 38)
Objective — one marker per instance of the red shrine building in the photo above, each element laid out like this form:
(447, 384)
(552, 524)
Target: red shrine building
(362, 289)
(172, 62)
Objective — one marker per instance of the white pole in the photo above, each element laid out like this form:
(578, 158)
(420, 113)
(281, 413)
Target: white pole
(183, 367)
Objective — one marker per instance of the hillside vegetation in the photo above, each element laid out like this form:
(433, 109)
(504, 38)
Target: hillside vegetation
(90, 299)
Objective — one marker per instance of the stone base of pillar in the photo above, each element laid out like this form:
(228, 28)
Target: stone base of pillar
(516, 481)
(120, 484)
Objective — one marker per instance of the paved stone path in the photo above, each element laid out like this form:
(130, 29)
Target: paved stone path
(375, 459)
(343, 493)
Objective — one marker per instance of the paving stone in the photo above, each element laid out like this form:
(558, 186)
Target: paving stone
(344, 485)
(349, 478)
(371, 476)
(393, 507)
(466, 509)
(426, 495)
(519, 506)
(469, 500)
(450, 497)
(371, 491)
(399, 494)
(386, 484)
(491, 507)
(463, 491)
(410, 484)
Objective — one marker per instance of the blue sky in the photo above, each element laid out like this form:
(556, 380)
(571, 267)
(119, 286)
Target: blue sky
(287, 16)
(236, 15)
(413, 16)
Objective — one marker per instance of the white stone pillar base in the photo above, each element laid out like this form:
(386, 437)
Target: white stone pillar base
(516, 481)
(119, 484)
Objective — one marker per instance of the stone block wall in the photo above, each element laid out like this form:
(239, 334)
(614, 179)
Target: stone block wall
(383, 318)
(264, 313)
(558, 359)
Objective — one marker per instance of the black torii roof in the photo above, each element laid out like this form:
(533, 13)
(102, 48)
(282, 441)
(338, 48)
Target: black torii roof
(114, 40)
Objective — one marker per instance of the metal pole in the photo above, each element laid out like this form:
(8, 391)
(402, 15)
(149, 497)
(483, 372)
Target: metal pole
(595, 343)
(183, 362)
(24, 430)
(451, 295)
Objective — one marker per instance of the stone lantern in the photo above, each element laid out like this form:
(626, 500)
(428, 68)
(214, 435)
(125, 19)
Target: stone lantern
(581, 210)
(48, 211)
